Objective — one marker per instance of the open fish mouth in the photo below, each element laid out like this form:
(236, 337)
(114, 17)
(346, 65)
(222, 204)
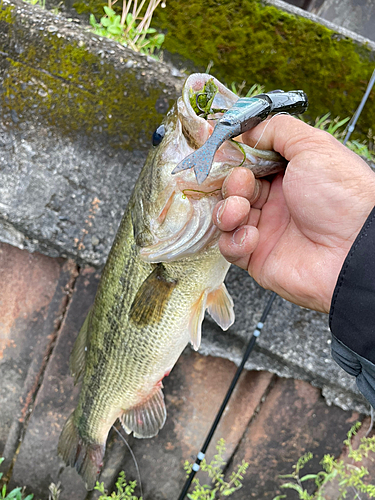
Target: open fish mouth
(204, 100)
(183, 227)
(197, 122)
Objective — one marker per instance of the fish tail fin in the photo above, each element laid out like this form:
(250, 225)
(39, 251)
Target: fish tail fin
(87, 458)
(146, 419)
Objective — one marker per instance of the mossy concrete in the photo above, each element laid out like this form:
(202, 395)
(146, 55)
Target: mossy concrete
(77, 116)
(272, 43)
(276, 45)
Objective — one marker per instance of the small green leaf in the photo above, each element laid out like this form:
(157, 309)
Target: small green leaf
(308, 476)
(93, 21)
(129, 19)
(110, 12)
(14, 493)
(105, 21)
(114, 30)
(117, 20)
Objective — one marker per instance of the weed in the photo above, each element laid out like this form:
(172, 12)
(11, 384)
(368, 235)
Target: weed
(124, 489)
(253, 90)
(16, 494)
(54, 491)
(218, 487)
(129, 28)
(347, 476)
(41, 3)
(334, 126)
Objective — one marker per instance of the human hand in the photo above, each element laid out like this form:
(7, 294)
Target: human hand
(293, 234)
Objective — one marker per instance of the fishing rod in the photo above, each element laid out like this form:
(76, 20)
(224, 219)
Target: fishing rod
(356, 115)
(250, 346)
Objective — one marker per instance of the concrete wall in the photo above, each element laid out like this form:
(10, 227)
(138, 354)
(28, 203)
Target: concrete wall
(355, 15)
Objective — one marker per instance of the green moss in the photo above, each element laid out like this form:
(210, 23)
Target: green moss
(250, 41)
(66, 86)
(6, 13)
(91, 7)
(247, 40)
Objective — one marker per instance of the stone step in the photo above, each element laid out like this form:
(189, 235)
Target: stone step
(269, 421)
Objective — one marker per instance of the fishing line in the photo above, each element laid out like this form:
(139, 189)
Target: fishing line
(267, 123)
(133, 457)
(371, 421)
(253, 339)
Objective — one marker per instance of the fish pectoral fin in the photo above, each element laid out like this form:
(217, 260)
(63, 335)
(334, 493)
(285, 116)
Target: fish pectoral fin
(146, 419)
(149, 303)
(78, 357)
(220, 307)
(196, 319)
(86, 457)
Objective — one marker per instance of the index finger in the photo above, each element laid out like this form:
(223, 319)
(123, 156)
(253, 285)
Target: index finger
(286, 135)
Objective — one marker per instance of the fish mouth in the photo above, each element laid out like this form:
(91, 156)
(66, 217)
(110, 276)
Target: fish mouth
(195, 127)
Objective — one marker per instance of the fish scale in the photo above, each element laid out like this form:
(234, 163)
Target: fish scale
(163, 272)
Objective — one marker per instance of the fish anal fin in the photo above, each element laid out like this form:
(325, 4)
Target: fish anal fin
(196, 319)
(78, 357)
(220, 307)
(151, 298)
(146, 419)
(87, 458)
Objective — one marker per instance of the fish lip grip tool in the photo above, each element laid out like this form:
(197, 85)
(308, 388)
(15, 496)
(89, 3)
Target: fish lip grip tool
(244, 115)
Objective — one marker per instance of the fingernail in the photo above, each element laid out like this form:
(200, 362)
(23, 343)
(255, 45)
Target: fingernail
(220, 211)
(239, 236)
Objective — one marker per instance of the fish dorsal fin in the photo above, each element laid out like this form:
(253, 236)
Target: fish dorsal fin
(150, 300)
(196, 318)
(78, 357)
(146, 419)
(220, 307)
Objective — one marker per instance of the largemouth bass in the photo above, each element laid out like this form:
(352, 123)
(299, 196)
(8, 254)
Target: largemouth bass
(163, 272)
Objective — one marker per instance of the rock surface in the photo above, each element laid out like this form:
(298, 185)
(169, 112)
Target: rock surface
(77, 113)
(269, 421)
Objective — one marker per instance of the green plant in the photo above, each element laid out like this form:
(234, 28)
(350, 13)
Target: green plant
(345, 474)
(218, 487)
(41, 3)
(253, 90)
(124, 489)
(54, 491)
(334, 126)
(16, 494)
(129, 28)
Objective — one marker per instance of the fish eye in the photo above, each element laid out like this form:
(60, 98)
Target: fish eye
(158, 135)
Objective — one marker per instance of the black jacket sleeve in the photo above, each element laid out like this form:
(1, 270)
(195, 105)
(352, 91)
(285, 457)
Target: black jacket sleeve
(352, 314)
